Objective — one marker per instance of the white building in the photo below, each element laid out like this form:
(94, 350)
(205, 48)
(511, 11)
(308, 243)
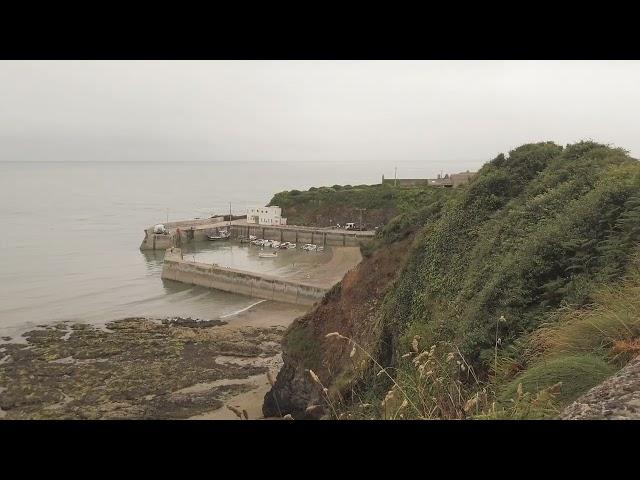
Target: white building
(265, 216)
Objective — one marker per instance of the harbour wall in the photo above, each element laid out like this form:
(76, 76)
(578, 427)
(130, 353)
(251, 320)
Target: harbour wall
(301, 235)
(238, 281)
(188, 231)
(179, 232)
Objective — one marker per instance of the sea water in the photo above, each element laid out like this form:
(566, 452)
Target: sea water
(70, 233)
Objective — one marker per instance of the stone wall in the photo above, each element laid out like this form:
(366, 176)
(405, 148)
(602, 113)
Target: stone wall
(299, 235)
(238, 281)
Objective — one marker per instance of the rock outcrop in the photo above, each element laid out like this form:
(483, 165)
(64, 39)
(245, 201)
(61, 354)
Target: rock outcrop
(617, 398)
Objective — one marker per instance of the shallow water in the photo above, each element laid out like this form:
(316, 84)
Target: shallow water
(246, 257)
(69, 246)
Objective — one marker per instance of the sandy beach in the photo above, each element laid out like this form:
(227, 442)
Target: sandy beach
(263, 315)
(328, 273)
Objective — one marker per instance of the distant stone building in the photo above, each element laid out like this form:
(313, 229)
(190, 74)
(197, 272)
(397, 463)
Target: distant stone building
(405, 182)
(453, 180)
(461, 178)
(265, 215)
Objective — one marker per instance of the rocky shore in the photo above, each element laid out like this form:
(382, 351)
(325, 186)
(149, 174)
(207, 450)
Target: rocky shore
(141, 368)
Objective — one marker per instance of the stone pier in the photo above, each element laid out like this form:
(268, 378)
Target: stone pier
(238, 281)
(196, 230)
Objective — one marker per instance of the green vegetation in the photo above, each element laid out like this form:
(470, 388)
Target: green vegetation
(523, 285)
(300, 343)
(535, 231)
(327, 206)
(578, 373)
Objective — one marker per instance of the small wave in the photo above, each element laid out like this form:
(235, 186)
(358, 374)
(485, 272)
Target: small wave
(242, 310)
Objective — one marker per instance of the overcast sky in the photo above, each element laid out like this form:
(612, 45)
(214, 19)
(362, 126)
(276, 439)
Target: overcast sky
(459, 113)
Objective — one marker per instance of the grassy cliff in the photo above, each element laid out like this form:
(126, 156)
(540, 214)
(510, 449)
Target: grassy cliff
(481, 277)
(327, 206)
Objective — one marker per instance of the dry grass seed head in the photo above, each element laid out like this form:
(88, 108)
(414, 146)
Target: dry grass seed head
(315, 377)
(414, 343)
(336, 335)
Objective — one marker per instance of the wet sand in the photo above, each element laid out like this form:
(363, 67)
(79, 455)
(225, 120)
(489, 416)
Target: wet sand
(327, 274)
(267, 314)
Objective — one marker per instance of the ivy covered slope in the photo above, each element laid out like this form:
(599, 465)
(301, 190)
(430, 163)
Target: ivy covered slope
(528, 249)
(326, 206)
(534, 240)
(537, 230)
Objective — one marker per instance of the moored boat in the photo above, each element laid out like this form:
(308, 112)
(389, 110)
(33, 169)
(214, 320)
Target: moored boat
(220, 235)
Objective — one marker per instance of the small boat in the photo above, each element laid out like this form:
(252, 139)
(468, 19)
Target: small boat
(160, 229)
(268, 255)
(221, 235)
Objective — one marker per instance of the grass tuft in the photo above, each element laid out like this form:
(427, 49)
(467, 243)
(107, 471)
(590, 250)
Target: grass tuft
(578, 373)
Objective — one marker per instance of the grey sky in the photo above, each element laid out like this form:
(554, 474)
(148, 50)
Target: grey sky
(454, 113)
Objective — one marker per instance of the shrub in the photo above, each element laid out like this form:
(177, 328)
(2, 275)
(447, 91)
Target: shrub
(578, 373)
(527, 236)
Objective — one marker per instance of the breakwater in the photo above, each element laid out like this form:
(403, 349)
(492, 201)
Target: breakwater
(238, 281)
(197, 230)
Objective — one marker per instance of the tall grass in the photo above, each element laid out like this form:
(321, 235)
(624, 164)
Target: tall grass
(578, 346)
(611, 326)
(431, 382)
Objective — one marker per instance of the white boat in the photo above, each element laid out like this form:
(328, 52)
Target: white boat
(268, 255)
(252, 237)
(220, 235)
(310, 247)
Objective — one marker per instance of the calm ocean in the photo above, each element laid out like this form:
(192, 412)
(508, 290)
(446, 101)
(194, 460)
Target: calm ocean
(71, 232)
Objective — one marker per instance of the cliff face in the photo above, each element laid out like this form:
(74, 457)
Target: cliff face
(349, 309)
(457, 311)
